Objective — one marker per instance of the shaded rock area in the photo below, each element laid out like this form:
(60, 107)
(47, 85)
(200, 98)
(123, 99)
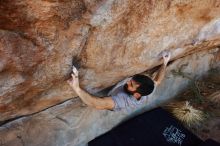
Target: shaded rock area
(73, 124)
(109, 40)
(205, 97)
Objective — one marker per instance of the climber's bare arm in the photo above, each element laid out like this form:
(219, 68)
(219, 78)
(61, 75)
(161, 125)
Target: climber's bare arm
(161, 74)
(93, 101)
(90, 100)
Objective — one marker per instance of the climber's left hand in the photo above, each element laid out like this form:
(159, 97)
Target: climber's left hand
(74, 81)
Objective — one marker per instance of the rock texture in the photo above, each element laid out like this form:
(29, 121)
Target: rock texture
(72, 124)
(109, 39)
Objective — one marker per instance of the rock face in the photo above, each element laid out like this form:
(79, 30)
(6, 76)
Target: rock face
(110, 40)
(71, 124)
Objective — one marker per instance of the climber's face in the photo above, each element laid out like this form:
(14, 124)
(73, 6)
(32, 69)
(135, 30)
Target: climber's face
(131, 86)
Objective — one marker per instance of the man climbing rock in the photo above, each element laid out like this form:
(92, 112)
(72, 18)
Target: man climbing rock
(128, 94)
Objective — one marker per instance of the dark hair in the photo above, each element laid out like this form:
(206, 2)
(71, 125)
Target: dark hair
(146, 84)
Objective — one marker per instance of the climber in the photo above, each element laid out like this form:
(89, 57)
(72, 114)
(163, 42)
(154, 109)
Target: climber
(128, 94)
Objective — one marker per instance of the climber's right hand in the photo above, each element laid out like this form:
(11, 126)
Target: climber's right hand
(166, 57)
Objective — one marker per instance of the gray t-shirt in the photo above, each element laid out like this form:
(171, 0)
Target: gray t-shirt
(122, 100)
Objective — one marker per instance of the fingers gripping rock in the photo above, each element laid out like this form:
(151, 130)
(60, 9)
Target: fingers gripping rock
(75, 71)
(166, 55)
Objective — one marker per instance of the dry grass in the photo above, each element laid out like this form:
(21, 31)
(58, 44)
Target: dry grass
(186, 113)
(215, 98)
